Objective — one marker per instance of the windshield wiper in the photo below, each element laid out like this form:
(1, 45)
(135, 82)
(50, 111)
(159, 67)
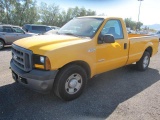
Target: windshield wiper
(69, 34)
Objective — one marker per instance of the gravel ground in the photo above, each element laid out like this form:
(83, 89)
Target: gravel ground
(121, 94)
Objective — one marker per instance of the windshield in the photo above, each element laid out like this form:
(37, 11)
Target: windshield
(85, 27)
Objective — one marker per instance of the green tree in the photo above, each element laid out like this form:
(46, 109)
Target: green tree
(130, 24)
(146, 28)
(49, 14)
(138, 25)
(64, 17)
(6, 6)
(2, 13)
(25, 12)
(18, 12)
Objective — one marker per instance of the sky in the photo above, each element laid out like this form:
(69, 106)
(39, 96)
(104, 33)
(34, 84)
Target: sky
(149, 10)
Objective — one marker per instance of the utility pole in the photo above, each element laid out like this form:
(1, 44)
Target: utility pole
(139, 12)
(139, 9)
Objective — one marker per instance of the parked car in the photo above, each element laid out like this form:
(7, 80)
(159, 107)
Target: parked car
(33, 28)
(62, 63)
(10, 33)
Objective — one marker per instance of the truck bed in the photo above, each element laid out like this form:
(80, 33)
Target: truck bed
(137, 35)
(138, 44)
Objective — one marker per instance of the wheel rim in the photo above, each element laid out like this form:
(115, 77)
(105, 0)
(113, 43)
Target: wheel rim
(1, 45)
(73, 83)
(145, 61)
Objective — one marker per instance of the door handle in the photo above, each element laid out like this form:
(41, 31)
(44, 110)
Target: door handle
(125, 45)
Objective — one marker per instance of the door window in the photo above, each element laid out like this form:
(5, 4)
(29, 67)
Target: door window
(39, 28)
(7, 29)
(113, 27)
(18, 30)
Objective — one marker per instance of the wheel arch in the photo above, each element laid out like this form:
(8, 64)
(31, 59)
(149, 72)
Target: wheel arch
(82, 64)
(3, 40)
(150, 50)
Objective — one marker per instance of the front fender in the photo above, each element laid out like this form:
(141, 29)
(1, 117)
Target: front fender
(80, 52)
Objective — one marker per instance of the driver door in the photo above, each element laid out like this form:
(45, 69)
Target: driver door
(111, 55)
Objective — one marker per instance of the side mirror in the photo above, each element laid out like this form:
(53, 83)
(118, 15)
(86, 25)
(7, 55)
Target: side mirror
(107, 38)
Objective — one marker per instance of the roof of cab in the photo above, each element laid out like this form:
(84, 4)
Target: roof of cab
(104, 17)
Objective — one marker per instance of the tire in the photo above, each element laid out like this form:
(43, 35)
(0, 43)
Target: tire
(70, 82)
(1, 44)
(143, 63)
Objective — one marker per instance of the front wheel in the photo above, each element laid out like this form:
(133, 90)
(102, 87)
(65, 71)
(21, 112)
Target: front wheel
(70, 82)
(143, 63)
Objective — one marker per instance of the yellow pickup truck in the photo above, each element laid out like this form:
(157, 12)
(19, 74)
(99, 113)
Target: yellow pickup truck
(84, 47)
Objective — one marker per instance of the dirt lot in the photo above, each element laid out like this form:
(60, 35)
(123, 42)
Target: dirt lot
(122, 94)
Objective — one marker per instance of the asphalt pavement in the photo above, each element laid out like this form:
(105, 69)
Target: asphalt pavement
(121, 94)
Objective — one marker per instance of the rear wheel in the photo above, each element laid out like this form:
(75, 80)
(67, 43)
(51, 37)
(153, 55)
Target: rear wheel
(1, 44)
(143, 63)
(70, 82)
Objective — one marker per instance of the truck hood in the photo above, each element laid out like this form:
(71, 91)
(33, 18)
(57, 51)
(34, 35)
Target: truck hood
(48, 42)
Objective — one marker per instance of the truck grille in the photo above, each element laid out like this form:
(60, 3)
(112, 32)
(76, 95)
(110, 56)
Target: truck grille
(22, 58)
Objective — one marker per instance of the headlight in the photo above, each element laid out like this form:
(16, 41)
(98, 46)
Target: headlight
(41, 62)
(42, 59)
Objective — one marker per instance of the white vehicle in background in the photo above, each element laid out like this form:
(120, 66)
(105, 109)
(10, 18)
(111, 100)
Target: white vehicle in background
(157, 34)
(50, 32)
(54, 27)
